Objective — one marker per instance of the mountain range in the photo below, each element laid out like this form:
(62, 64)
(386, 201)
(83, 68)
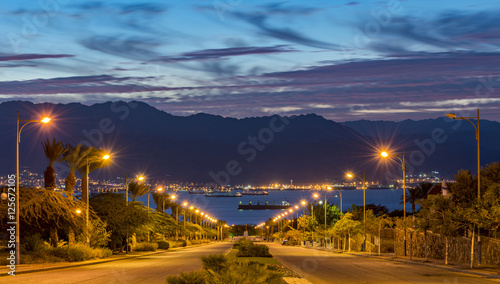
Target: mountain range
(256, 150)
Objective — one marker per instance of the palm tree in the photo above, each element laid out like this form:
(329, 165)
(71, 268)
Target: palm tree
(75, 159)
(414, 194)
(53, 152)
(163, 201)
(137, 189)
(92, 158)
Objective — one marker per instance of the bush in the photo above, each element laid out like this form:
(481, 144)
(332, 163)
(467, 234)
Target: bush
(245, 273)
(145, 247)
(79, 252)
(193, 277)
(181, 243)
(163, 245)
(242, 242)
(33, 243)
(292, 243)
(215, 262)
(252, 250)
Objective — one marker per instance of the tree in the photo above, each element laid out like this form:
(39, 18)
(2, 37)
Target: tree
(75, 159)
(121, 220)
(417, 193)
(46, 212)
(53, 152)
(464, 188)
(137, 189)
(163, 201)
(346, 227)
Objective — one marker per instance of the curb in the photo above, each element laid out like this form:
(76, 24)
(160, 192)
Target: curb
(454, 269)
(94, 262)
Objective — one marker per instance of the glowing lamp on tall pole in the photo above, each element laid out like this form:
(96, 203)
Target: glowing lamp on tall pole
(44, 120)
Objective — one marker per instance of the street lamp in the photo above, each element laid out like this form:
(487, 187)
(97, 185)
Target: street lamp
(104, 157)
(363, 179)
(401, 158)
(139, 178)
(18, 211)
(324, 204)
(476, 127)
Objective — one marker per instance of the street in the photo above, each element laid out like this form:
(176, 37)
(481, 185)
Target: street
(327, 267)
(146, 269)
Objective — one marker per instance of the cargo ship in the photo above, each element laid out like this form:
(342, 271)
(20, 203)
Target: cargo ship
(223, 194)
(255, 193)
(266, 206)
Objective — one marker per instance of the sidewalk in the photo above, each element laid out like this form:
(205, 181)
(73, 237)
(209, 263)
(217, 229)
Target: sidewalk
(489, 271)
(37, 267)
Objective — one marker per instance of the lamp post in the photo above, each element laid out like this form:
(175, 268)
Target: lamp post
(139, 178)
(476, 127)
(401, 158)
(104, 157)
(18, 141)
(363, 179)
(297, 210)
(324, 204)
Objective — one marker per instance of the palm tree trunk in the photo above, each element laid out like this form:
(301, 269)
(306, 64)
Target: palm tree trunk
(70, 182)
(446, 251)
(54, 239)
(49, 177)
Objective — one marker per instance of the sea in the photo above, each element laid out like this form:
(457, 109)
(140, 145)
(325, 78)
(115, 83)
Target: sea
(226, 208)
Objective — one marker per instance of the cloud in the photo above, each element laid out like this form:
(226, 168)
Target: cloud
(214, 54)
(449, 31)
(21, 57)
(136, 48)
(285, 34)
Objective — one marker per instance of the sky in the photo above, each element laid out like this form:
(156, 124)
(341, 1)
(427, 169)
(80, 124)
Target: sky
(344, 60)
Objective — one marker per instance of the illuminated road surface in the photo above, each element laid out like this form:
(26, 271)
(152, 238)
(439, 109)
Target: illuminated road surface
(147, 269)
(326, 267)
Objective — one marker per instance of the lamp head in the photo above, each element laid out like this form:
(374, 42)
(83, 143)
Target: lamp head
(349, 175)
(315, 195)
(78, 211)
(159, 189)
(45, 120)
(451, 115)
(105, 157)
(185, 203)
(384, 154)
(140, 178)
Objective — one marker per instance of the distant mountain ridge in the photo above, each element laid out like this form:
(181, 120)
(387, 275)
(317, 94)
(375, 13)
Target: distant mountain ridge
(257, 150)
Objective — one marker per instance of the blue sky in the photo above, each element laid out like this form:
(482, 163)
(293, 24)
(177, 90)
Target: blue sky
(344, 60)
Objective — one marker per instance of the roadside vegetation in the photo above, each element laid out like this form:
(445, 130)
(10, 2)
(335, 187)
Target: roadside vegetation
(438, 227)
(53, 221)
(256, 267)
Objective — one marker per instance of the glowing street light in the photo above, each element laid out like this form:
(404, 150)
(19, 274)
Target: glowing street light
(139, 178)
(363, 179)
(44, 120)
(476, 127)
(401, 158)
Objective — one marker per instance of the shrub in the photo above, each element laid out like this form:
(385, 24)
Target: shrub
(214, 262)
(33, 243)
(242, 242)
(252, 250)
(193, 277)
(79, 252)
(145, 247)
(163, 245)
(181, 243)
(245, 273)
(292, 243)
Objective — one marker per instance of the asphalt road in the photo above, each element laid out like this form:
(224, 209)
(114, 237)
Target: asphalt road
(326, 267)
(146, 269)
